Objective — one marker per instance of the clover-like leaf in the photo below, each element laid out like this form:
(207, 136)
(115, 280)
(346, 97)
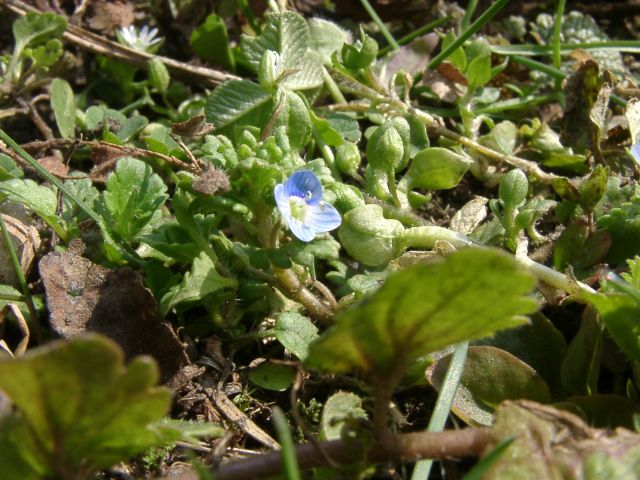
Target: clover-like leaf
(468, 295)
(287, 34)
(235, 100)
(134, 194)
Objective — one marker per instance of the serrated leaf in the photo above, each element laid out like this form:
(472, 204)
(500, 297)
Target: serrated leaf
(468, 295)
(64, 107)
(295, 332)
(287, 34)
(37, 28)
(341, 410)
(202, 280)
(134, 194)
(91, 412)
(233, 100)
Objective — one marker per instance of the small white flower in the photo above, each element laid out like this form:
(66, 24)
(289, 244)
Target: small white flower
(300, 203)
(145, 39)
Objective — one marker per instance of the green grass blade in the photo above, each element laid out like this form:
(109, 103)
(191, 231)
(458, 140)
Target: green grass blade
(623, 46)
(478, 471)
(487, 15)
(378, 21)
(468, 14)
(443, 404)
(289, 459)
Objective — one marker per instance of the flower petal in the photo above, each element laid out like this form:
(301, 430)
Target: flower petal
(635, 152)
(303, 231)
(323, 217)
(303, 183)
(282, 201)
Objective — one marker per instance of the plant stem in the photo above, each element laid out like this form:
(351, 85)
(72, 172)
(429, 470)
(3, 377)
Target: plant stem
(557, 40)
(441, 411)
(416, 33)
(294, 289)
(408, 447)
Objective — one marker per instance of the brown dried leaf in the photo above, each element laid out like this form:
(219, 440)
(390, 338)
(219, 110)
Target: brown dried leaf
(194, 127)
(109, 15)
(54, 165)
(82, 296)
(26, 242)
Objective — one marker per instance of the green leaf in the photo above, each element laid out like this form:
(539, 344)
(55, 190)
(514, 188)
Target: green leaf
(295, 332)
(492, 375)
(326, 38)
(287, 34)
(9, 168)
(131, 127)
(85, 411)
(342, 410)
(38, 198)
(295, 117)
(236, 100)
(620, 314)
(45, 55)
(134, 194)
(468, 295)
(345, 125)
(35, 29)
(202, 280)
(593, 188)
(580, 368)
(213, 32)
(435, 168)
(64, 107)
(478, 70)
(272, 376)
(159, 77)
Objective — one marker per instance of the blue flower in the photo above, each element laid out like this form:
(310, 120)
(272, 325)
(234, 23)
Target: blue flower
(635, 152)
(299, 200)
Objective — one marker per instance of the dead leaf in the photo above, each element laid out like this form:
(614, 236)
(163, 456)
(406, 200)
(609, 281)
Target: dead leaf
(26, 242)
(54, 165)
(82, 296)
(194, 127)
(412, 58)
(109, 15)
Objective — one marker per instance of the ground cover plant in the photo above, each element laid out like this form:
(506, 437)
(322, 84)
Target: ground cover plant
(318, 240)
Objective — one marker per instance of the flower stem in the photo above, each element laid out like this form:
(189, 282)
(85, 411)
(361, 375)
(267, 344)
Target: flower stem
(295, 290)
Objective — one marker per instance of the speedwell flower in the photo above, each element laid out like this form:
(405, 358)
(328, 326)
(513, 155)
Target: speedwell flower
(635, 152)
(299, 201)
(145, 40)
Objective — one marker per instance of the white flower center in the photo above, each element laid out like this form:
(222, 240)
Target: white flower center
(298, 208)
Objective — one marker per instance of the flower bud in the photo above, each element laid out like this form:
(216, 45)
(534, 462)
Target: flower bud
(269, 70)
(158, 75)
(370, 238)
(513, 188)
(360, 55)
(348, 158)
(385, 148)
